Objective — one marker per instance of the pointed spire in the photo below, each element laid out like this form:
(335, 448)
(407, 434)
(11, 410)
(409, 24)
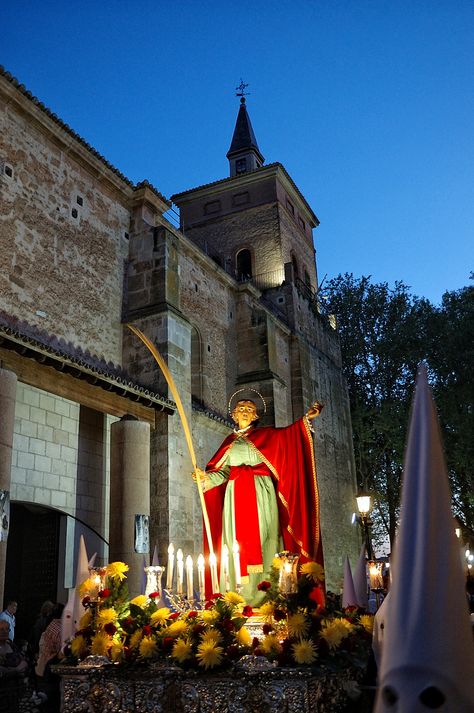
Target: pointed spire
(243, 154)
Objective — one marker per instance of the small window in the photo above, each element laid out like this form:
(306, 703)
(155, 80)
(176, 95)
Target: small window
(126, 236)
(302, 224)
(241, 198)
(290, 207)
(241, 165)
(294, 262)
(208, 347)
(74, 213)
(80, 200)
(8, 170)
(212, 207)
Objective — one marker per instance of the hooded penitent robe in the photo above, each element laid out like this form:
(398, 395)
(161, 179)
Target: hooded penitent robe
(261, 491)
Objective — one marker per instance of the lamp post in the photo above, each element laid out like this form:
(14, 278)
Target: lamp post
(364, 505)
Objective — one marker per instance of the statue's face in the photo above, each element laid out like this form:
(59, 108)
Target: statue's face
(244, 413)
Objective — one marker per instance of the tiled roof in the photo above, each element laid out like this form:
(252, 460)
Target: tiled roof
(54, 117)
(32, 338)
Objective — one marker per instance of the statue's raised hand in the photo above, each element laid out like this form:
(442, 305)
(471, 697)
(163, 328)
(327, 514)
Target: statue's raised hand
(314, 410)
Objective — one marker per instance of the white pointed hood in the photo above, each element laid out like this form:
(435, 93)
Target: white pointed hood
(349, 598)
(360, 580)
(82, 573)
(428, 652)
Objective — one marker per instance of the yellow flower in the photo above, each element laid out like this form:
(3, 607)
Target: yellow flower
(135, 639)
(209, 655)
(334, 632)
(107, 616)
(85, 620)
(313, 571)
(116, 570)
(147, 647)
(159, 616)
(100, 644)
(181, 650)
(140, 601)
(277, 563)
(211, 635)
(270, 644)
(176, 628)
(233, 598)
(367, 621)
(304, 651)
(266, 610)
(116, 651)
(243, 636)
(209, 616)
(88, 587)
(297, 625)
(79, 647)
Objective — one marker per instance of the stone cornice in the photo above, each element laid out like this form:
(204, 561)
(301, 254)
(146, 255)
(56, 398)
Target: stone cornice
(232, 183)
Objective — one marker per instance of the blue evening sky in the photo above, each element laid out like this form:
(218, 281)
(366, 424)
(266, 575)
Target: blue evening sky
(367, 103)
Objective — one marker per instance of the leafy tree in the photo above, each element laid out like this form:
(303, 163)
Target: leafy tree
(452, 359)
(383, 334)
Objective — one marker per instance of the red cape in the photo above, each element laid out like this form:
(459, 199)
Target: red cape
(289, 454)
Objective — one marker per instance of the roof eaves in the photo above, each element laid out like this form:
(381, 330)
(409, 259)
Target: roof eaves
(41, 344)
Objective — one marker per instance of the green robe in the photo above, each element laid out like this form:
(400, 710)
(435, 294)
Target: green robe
(241, 453)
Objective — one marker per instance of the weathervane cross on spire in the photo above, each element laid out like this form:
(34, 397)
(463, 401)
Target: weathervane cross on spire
(240, 91)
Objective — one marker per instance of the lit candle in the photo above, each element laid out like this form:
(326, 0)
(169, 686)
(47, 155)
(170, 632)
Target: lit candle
(213, 567)
(375, 575)
(236, 556)
(169, 573)
(225, 567)
(189, 577)
(179, 572)
(201, 578)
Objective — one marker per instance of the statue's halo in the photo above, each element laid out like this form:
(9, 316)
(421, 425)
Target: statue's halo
(247, 389)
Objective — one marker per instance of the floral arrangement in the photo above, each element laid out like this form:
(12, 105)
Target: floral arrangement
(297, 629)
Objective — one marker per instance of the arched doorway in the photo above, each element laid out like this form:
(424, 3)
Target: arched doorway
(31, 574)
(243, 262)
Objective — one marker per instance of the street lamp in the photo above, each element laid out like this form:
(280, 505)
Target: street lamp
(364, 505)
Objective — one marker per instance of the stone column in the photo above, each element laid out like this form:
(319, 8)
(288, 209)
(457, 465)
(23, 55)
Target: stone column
(129, 493)
(8, 382)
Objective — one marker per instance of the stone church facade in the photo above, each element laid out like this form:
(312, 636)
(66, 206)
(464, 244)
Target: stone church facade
(90, 437)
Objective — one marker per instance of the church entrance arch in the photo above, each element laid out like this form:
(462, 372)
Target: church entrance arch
(41, 561)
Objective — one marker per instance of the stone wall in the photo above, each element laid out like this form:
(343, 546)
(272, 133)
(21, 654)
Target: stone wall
(59, 457)
(45, 446)
(255, 229)
(62, 239)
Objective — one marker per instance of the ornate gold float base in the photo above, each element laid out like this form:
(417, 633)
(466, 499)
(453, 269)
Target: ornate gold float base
(252, 686)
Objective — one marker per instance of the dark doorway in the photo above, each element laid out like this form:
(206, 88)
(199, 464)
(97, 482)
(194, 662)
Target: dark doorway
(31, 574)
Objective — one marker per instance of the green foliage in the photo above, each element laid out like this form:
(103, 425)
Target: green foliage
(385, 333)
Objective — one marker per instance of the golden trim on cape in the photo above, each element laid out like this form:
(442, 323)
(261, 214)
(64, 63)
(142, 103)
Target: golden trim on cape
(255, 568)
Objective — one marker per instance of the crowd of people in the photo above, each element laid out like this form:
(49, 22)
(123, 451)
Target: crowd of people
(25, 665)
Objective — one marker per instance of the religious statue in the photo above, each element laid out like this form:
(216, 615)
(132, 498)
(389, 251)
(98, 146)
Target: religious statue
(261, 492)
